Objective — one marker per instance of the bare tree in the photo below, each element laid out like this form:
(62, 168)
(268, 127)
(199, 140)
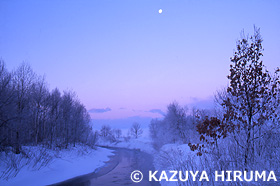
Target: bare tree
(54, 115)
(23, 81)
(7, 106)
(117, 132)
(67, 114)
(136, 130)
(39, 107)
(105, 130)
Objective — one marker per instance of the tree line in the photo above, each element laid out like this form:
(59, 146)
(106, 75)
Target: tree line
(113, 135)
(31, 114)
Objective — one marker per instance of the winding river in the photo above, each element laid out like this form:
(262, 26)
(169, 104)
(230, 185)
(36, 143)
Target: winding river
(117, 170)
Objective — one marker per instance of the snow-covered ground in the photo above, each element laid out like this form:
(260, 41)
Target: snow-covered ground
(66, 164)
(139, 144)
(176, 157)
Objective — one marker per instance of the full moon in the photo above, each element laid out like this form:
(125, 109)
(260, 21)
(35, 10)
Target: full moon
(160, 11)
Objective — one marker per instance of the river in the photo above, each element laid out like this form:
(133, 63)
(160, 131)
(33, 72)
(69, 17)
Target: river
(117, 170)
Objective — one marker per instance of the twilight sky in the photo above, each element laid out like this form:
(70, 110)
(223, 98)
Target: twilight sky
(123, 58)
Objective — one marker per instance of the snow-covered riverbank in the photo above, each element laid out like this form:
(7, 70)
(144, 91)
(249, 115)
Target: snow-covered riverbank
(66, 164)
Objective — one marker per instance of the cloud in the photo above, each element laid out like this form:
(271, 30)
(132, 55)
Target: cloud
(94, 110)
(157, 111)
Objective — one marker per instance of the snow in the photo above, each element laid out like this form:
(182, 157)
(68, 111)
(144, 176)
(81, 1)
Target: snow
(138, 144)
(176, 157)
(67, 164)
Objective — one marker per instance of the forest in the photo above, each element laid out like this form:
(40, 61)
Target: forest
(31, 114)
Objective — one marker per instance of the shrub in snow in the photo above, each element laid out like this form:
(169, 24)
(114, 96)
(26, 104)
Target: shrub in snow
(33, 158)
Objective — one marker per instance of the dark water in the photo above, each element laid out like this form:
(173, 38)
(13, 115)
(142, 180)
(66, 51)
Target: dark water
(117, 170)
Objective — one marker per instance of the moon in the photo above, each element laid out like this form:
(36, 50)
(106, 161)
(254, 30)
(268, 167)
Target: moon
(160, 11)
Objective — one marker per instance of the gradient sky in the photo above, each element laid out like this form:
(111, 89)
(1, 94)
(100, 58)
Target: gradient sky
(123, 58)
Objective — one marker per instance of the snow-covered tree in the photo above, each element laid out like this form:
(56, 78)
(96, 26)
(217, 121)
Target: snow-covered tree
(136, 130)
(176, 121)
(253, 95)
(23, 80)
(7, 106)
(31, 114)
(105, 130)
